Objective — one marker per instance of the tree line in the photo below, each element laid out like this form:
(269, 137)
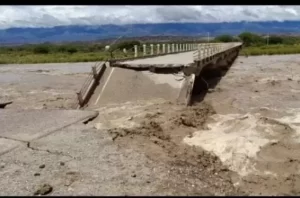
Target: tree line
(252, 39)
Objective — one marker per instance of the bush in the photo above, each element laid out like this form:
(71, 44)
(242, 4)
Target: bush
(224, 38)
(129, 45)
(72, 50)
(41, 49)
(62, 48)
(273, 40)
(249, 39)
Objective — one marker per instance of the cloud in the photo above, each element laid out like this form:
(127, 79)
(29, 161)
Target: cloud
(48, 16)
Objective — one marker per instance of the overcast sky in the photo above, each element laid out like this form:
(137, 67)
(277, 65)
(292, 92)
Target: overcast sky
(47, 16)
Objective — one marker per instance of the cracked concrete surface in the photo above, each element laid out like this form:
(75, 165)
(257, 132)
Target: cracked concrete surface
(74, 168)
(26, 125)
(19, 127)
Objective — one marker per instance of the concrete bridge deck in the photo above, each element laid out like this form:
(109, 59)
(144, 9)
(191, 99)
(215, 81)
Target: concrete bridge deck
(169, 60)
(165, 76)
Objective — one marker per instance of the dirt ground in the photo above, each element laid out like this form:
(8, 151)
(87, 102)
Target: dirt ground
(242, 139)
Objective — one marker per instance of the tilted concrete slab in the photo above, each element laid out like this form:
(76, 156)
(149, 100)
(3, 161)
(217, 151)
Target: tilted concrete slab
(27, 125)
(120, 85)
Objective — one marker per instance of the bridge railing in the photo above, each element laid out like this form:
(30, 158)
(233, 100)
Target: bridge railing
(205, 50)
(84, 93)
(149, 50)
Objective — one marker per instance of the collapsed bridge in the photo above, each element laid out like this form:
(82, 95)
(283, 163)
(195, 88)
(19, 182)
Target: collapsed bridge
(168, 74)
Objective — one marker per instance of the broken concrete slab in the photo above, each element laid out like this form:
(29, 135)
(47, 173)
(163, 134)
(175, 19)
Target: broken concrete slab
(120, 85)
(27, 125)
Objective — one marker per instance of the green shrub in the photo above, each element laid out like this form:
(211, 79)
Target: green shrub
(41, 49)
(72, 50)
(224, 38)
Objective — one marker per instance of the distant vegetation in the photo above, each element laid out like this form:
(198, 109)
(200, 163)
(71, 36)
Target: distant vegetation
(261, 45)
(71, 52)
(84, 52)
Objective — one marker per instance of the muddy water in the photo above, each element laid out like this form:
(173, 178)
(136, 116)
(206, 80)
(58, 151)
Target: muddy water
(40, 86)
(257, 126)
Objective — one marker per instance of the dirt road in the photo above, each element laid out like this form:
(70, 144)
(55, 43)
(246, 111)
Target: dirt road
(243, 138)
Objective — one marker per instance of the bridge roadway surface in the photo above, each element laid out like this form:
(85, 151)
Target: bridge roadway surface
(184, 58)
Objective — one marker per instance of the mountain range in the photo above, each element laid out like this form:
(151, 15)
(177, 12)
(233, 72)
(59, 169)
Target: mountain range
(88, 33)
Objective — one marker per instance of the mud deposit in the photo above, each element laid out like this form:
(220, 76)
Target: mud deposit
(194, 171)
(42, 86)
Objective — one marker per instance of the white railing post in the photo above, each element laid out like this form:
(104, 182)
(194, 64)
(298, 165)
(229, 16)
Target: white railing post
(135, 50)
(199, 51)
(80, 98)
(169, 49)
(151, 49)
(173, 48)
(163, 48)
(180, 47)
(144, 50)
(207, 49)
(94, 71)
(158, 49)
(176, 48)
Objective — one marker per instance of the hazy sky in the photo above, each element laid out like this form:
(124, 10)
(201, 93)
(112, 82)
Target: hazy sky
(46, 16)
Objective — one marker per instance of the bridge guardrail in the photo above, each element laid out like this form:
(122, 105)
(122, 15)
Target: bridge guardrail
(205, 50)
(82, 94)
